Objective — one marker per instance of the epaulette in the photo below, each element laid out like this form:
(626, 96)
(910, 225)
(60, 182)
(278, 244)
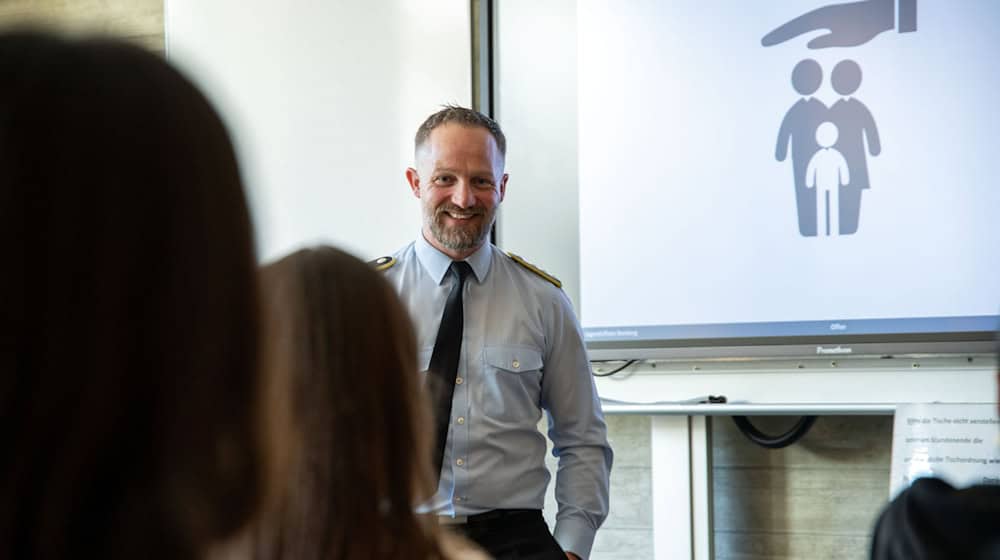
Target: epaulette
(548, 277)
(382, 263)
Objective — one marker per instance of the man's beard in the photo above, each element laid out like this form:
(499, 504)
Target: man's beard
(460, 237)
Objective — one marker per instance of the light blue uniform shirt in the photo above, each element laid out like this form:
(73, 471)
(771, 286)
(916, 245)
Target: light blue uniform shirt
(522, 353)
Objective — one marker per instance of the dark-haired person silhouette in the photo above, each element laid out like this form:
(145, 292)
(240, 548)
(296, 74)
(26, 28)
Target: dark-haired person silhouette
(799, 127)
(135, 419)
(856, 125)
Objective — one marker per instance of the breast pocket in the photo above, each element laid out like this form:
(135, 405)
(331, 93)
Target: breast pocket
(512, 383)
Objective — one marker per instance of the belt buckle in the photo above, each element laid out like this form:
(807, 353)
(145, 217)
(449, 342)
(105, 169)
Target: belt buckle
(456, 520)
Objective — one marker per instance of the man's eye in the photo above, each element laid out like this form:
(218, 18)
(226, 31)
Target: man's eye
(480, 182)
(442, 179)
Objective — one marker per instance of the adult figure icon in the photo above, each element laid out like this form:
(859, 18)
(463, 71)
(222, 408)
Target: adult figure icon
(799, 128)
(856, 126)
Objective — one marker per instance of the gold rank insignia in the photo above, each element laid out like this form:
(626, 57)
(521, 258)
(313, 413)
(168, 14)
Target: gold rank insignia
(548, 277)
(382, 263)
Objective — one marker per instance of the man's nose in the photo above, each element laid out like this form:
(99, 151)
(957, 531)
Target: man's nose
(462, 195)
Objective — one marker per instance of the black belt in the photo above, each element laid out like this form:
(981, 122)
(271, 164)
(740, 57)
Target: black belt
(488, 516)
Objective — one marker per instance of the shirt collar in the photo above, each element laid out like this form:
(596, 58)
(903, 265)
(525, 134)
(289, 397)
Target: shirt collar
(436, 263)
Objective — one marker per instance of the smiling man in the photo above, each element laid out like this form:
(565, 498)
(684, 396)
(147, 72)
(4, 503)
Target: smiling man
(500, 344)
(465, 182)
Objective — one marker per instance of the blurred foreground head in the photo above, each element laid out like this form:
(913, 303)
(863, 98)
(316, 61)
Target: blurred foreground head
(129, 400)
(343, 342)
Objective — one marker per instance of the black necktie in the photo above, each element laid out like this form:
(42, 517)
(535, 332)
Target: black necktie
(443, 369)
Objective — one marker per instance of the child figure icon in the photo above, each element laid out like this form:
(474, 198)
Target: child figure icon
(827, 172)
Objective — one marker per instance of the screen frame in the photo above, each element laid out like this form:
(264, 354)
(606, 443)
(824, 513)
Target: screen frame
(804, 347)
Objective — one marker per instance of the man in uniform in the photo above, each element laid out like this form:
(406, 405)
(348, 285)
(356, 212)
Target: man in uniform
(500, 344)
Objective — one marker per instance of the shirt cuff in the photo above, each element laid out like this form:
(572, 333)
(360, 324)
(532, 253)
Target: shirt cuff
(575, 535)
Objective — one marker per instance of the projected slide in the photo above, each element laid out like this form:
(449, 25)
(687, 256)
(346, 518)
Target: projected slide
(757, 168)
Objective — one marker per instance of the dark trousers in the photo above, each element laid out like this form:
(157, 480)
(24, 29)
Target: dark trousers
(512, 534)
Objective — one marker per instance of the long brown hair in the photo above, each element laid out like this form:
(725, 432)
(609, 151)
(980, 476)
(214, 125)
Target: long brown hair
(129, 398)
(340, 336)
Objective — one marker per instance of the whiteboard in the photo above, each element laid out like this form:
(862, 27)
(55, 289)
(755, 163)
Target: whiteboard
(695, 145)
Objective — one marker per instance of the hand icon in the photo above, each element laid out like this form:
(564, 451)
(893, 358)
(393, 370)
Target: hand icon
(849, 25)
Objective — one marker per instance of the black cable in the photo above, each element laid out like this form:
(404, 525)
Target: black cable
(774, 442)
(616, 370)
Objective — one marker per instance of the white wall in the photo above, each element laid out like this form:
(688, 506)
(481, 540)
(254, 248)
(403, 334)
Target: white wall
(323, 99)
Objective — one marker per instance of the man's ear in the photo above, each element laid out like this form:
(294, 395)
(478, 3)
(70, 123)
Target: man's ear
(503, 186)
(413, 178)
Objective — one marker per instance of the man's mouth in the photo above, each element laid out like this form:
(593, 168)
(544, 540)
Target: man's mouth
(460, 215)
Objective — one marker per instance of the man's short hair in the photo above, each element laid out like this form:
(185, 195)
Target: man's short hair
(464, 117)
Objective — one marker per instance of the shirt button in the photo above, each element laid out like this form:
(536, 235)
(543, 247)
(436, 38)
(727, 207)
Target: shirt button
(461, 420)
(459, 462)
(458, 498)
(458, 380)
(515, 364)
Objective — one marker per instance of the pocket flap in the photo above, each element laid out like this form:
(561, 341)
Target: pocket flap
(513, 358)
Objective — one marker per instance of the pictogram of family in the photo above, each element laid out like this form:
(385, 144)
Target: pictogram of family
(828, 149)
